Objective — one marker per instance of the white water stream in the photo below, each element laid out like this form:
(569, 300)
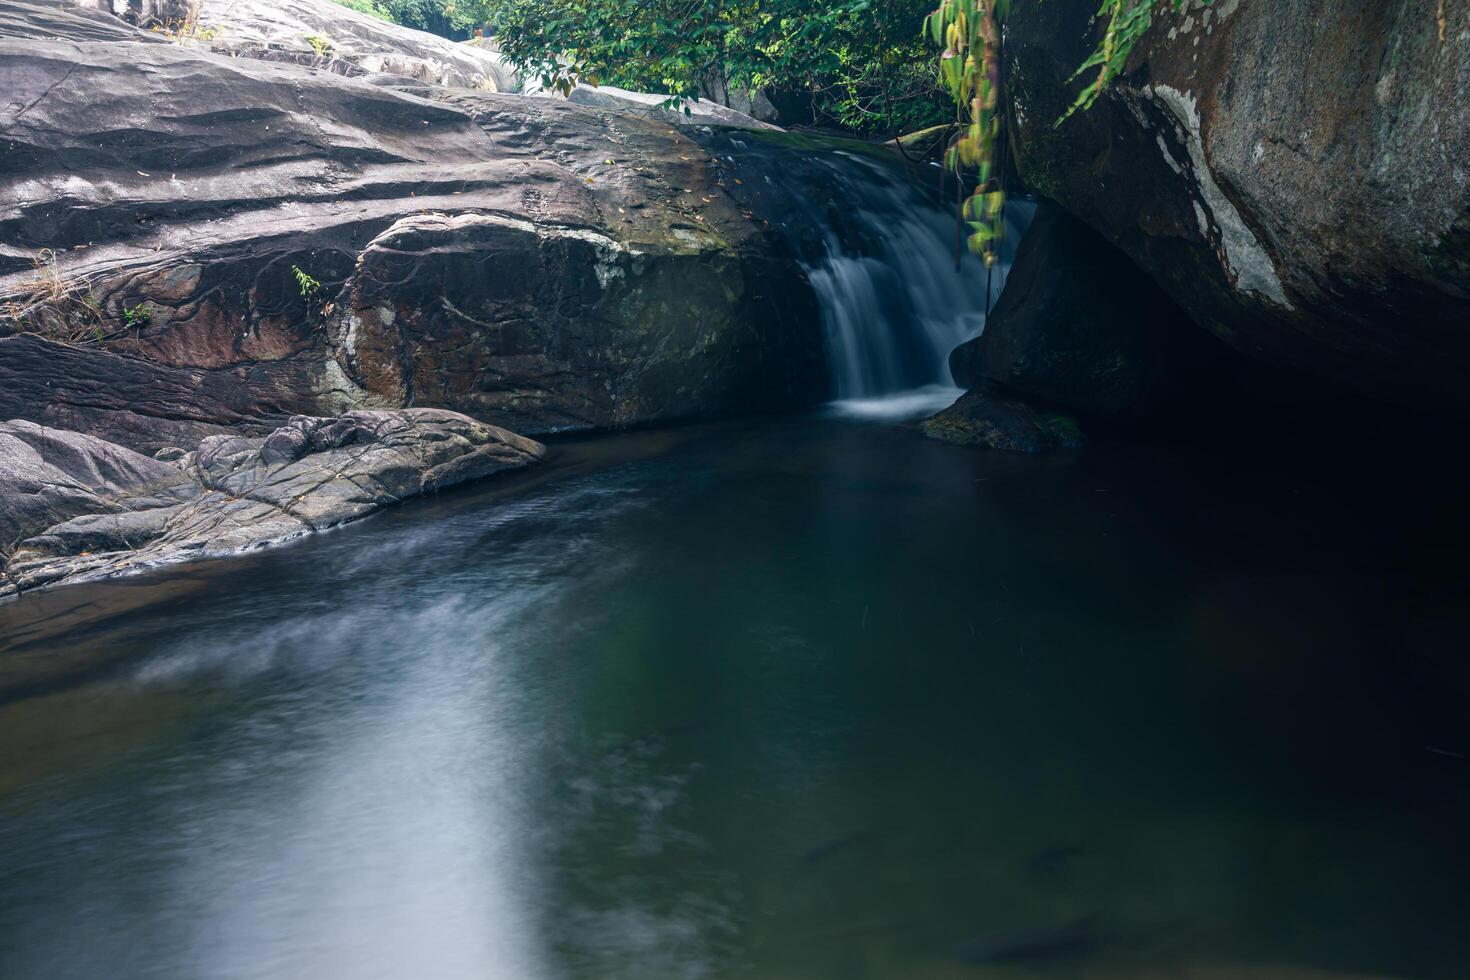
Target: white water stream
(892, 317)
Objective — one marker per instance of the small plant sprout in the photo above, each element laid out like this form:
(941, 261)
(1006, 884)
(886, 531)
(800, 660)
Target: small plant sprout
(311, 292)
(137, 317)
(309, 287)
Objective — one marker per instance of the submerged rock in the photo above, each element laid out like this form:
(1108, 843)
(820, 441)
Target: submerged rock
(1040, 943)
(75, 508)
(1292, 174)
(987, 418)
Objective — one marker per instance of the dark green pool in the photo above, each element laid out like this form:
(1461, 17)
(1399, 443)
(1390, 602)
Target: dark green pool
(798, 699)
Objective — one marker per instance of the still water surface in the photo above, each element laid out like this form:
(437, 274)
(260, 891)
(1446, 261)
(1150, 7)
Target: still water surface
(800, 699)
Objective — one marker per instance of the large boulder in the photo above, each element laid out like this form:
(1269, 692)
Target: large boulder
(74, 508)
(204, 213)
(1291, 173)
(546, 327)
(1080, 327)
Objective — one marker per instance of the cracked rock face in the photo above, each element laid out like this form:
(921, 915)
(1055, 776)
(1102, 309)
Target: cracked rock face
(1293, 174)
(75, 508)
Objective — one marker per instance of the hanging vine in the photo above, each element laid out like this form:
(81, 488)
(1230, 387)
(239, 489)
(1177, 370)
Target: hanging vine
(969, 70)
(970, 33)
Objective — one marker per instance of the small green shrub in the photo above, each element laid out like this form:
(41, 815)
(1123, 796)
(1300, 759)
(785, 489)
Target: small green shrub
(369, 7)
(321, 45)
(310, 288)
(137, 317)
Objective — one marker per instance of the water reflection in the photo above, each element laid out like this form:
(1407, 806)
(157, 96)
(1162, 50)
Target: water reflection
(397, 849)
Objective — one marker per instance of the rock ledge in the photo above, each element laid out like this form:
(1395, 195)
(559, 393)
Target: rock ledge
(74, 508)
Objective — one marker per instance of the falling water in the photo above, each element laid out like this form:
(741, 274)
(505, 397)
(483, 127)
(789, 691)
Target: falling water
(894, 311)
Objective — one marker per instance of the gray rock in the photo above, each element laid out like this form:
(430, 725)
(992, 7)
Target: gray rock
(702, 112)
(74, 508)
(49, 476)
(1292, 174)
(695, 331)
(352, 43)
(91, 21)
(202, 183)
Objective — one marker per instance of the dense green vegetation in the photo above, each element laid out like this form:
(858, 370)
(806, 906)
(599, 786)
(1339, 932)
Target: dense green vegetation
(437, 16)
(862, 65)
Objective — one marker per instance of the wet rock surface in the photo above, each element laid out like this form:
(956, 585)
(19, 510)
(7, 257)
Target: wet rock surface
(274, 245)
(49, 476)
(75, 508)
(988, 418)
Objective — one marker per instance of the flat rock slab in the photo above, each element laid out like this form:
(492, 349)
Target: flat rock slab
(339, 39)
(74, 508)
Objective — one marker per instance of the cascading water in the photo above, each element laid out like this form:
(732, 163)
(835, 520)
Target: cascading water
(894, 306)
(879, 249)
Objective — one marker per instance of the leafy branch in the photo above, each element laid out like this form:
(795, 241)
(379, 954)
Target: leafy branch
(1128, 21)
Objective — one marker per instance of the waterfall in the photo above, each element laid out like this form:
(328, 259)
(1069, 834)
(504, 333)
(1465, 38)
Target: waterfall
(893, 304)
